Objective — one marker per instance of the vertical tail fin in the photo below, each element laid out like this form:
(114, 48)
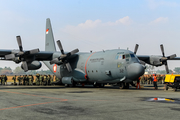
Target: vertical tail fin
(49, 45)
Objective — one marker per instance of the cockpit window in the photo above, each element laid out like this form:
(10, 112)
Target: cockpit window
(127, 56)
(132, 55)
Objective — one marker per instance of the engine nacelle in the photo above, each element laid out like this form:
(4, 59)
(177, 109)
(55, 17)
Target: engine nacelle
(34, 65)
(155, 60)
(67, 80)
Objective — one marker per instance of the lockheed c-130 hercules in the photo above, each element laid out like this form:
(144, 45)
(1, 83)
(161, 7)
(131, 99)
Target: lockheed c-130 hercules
(98, 68)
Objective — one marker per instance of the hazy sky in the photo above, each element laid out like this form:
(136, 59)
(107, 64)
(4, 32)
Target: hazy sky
(93, 25)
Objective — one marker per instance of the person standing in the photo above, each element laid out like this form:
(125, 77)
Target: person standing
(37, 79)
(14, 78)
(41, 79)
(19, 79)
(155, 81)
(30, 79)
(45, 80)
(5, 77)
(48, 79)
(26, 80)
(138, 83)
(1, 79)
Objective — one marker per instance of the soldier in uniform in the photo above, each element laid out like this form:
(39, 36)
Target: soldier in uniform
(57, 79)
(45, 80)
(19, 79)
(26, 80)
(23, 78)
(142, 79)
(1, 79)
(14, 78)
(41, 79)
(5, 77)
(49, 79)
(30, 79)
(37, 79)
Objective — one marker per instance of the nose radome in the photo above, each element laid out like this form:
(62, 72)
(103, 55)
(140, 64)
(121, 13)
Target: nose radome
(135, 70)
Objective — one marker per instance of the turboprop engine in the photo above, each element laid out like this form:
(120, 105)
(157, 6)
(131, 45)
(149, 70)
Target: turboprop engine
(34, 65)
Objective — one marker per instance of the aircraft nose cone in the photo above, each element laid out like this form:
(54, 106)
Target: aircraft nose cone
(135, 70)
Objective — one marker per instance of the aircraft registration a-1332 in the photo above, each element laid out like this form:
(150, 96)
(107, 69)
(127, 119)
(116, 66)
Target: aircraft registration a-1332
(117, 66)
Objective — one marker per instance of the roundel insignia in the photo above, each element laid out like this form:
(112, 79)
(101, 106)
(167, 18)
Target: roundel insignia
(55, 68)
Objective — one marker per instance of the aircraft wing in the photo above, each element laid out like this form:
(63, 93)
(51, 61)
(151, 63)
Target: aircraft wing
(157, 60)
(4, 52)
(143, 57)
(176, 58)
(40, 56)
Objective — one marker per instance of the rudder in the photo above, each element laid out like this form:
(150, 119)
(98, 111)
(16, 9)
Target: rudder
(49, 44)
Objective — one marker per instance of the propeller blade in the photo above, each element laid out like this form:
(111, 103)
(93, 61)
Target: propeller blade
(55, 60)
(136, 48)
(25, 67)
(10, 56)
(162, 50)
(171, 56)
(167, 69)
(34, 51)
(19, 43)
(74, 51)
(60, 46)
(68, 67)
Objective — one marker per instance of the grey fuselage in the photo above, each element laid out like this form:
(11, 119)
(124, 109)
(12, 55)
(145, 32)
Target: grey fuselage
(110, 66)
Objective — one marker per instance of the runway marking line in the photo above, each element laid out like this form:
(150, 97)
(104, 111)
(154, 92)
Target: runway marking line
(31, 95)
(59, 100)
(33, 104)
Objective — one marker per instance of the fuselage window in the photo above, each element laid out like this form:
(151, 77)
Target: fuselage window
(123, 56)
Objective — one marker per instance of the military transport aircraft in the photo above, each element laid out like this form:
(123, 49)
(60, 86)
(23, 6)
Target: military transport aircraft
(98, 68)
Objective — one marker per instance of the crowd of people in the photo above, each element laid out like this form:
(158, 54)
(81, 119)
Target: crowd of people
(148, 79)
(29, 79)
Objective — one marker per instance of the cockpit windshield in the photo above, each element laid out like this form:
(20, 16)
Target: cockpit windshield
(125, 56)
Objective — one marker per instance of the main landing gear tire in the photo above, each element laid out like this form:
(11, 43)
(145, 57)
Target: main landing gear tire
(124, 85)
(175, 89)
(166, 87)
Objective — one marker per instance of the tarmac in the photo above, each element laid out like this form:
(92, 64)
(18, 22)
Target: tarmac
(87, 103)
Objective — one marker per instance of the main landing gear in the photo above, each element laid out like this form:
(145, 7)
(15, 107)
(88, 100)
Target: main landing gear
(124, 85)
(98, 85)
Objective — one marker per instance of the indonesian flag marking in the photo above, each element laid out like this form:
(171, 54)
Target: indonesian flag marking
(55, 68)
(47, 30)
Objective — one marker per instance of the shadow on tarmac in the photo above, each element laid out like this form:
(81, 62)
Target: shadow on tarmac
(146, 87)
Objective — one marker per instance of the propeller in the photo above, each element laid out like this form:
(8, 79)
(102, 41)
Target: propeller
(63, 58)
(22, 55)
(136, 48)
(164, 59)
